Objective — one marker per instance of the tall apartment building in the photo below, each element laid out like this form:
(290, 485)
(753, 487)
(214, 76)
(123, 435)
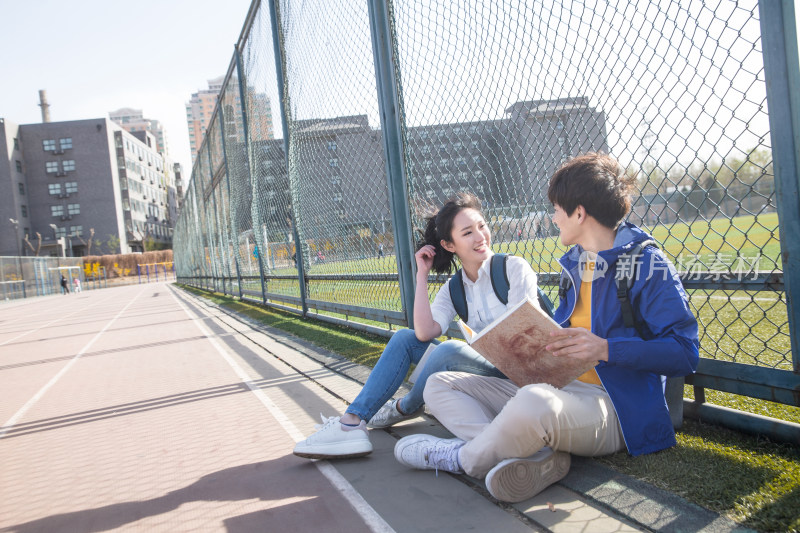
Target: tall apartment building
(132, 120)
(66, 178)
(200, 111)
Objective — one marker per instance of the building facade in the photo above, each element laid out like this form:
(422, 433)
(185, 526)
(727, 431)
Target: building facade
(133, 121)
(199, 111)
(73, 177)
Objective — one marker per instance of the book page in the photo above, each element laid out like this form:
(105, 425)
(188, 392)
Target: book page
(469, 334)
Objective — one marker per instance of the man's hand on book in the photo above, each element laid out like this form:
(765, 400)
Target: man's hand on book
(579, 343)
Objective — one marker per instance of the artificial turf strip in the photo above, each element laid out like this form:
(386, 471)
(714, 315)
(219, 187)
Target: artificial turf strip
(751, 480)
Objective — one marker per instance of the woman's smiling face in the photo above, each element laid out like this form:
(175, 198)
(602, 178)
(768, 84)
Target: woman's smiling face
(470, 238)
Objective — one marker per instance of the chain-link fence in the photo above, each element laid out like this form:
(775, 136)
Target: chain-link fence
(26, 277)
(341, 123)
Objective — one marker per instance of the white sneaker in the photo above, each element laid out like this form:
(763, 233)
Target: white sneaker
(389, 415)
(515, 480)
(335, 441)
(427, 452)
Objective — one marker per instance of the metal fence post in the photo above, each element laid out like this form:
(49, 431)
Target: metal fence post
(782, 73)
(280, 69)
(228, 184)
(251, 172)
(390, 104)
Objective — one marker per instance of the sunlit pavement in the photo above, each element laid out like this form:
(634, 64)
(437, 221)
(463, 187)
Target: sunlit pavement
(144, 408)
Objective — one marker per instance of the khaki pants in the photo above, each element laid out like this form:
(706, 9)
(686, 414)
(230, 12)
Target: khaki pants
(500, 420)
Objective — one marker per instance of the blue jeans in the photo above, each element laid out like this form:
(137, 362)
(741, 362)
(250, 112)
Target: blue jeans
(403, 349)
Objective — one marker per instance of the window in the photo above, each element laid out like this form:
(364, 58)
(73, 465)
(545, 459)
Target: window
(476, 145)
(51, 167)
(336, 181)
(19, 165)
(21, 188)
(332, 146)
(66, 143)
(426, 149)
(69, 164)
(458, 145)
(71, 186)
(560, 124)
(461, 161)
(444, 163)
(473, 129)
(24, 211)
(337, 197)
(477, 159)
(76, 230)
(428, 178)
(61, 232)
(49, 145)
(457, 130)
(56, 210)
(334, 162)
(16, 143)
(423, 134)
(54, 188)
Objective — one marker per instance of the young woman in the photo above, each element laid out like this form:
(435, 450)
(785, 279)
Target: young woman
(457, 230)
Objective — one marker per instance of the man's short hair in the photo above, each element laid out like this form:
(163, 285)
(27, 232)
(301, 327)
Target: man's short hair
(598, 183)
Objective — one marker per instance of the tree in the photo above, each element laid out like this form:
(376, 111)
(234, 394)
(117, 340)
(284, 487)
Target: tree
(38, 246)
(88, 243)
(113, 243)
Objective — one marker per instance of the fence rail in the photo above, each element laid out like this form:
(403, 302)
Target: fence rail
(340, 123)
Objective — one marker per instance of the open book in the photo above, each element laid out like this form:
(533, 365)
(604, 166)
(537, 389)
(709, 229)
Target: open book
(515, 344)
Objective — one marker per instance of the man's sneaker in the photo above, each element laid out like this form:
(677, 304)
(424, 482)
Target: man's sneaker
(335, 441)
(390, 415)
(515, 480)
(427, 452)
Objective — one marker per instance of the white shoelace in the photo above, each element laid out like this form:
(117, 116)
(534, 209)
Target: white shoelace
(443, 455)
(326, 421)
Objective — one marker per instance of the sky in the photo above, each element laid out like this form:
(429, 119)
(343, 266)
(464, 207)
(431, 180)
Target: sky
(96, 56)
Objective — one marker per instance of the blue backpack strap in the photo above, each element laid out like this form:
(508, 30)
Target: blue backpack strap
(545, 303)
(626, 274)
(457, 295)
(501, 284)
(499, 272)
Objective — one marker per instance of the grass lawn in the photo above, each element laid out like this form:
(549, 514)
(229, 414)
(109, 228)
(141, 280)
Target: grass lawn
(753, 481)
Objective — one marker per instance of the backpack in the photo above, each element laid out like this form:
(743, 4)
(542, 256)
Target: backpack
(626, 273)
(500, 285)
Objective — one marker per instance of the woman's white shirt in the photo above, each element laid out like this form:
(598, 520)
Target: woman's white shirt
(482, 302)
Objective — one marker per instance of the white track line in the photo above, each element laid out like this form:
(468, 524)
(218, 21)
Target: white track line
(38, 396)
(367, 513)
(62, 317)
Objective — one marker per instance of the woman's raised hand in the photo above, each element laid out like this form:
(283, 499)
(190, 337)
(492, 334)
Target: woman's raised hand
(424, 257)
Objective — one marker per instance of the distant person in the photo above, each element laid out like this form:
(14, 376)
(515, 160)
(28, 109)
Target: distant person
(520, 439)
(456, 231)
(76, 285)
(380, 250)
(64, 285)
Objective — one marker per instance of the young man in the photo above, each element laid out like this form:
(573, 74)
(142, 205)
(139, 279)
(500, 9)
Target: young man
(520, 438)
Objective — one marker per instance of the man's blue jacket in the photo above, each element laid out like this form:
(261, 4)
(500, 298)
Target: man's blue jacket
(632, 376)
